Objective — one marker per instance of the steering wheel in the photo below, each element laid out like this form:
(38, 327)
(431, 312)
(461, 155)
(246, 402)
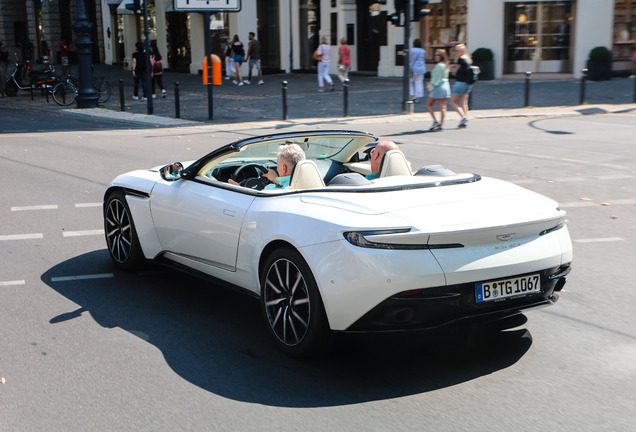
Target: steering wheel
(239, 174)
(252, 182)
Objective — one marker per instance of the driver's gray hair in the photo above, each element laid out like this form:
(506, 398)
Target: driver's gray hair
(292, 153)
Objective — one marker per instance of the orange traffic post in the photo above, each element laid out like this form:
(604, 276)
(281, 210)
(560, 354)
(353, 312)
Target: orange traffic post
(216, 70)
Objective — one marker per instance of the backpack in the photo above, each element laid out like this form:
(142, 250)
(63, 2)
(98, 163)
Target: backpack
(473, 74)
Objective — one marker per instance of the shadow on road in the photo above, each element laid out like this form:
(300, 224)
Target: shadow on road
(216, 339)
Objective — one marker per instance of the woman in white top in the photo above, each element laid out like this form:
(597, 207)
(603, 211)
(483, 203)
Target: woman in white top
(324, 51)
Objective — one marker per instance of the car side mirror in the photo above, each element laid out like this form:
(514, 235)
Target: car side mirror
(171, 172)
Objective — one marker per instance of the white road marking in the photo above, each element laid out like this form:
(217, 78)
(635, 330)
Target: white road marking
(84, 205)
(21, 236)
(626, 201)
(12, 283)
(82, 277)
(579, 204)
(600, 240)
(34, 207)
(82, 233)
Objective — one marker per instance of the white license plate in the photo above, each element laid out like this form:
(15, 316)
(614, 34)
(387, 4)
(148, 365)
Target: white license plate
(504, 288)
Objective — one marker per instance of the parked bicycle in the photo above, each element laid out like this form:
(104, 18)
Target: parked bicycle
(99, 84)
(62, 90)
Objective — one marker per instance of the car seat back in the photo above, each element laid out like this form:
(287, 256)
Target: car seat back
(394, 163)
(306, 176)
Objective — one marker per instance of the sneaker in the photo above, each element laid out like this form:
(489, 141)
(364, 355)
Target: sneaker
(435, 127)
(227, 77)
(321, 90)
(141, 99)
(332, 86)
(154, 96)
(135, 97)
(235, 82)
(261, 82)
(163, 94)
(248, 82)
(462, 122)
(240, 84)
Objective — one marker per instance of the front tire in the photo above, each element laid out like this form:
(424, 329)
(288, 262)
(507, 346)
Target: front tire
(291, 304)
(121, 236)
(11, 88)
(64, 93)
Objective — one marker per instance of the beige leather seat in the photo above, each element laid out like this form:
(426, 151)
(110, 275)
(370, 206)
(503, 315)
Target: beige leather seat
(306, 176)
(394, 163)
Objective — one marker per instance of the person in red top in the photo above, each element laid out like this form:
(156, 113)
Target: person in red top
(64, 56)
(344, 60)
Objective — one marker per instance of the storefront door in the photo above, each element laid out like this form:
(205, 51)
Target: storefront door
(538, 36)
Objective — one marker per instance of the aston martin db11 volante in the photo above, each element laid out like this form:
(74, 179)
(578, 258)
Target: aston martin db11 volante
(337, 251)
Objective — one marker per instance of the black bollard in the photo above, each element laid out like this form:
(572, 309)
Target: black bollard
(527, 90)
(634, 90)
(583, 79)
(122, 103)
(345, 88)
(285, 100)
(177, 103)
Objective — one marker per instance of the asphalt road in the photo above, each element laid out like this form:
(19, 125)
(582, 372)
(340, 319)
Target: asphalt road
(87, 347)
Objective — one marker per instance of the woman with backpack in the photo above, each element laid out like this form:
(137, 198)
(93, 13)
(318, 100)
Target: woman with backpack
(463, 83)
(157, 69)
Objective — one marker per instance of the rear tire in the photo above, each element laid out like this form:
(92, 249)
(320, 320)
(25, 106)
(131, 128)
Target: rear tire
(121, 236)
(103, 90)
(291, 304)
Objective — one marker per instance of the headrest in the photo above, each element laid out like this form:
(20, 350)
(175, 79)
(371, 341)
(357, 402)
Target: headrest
(306, 176)
(394, 163)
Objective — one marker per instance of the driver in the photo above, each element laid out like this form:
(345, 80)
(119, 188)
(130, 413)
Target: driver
(288, 156)
(376, 157)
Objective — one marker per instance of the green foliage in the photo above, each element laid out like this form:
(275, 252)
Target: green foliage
(482, 54)
(600, 54)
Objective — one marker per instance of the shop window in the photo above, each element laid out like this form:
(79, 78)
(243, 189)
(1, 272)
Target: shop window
(538, 36)
(624, 38)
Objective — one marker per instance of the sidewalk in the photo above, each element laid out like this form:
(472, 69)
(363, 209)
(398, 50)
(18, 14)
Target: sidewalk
(368, 96)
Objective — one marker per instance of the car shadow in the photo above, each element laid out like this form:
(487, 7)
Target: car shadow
(215, 338)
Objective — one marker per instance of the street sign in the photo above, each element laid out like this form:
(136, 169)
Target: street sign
(207, 5)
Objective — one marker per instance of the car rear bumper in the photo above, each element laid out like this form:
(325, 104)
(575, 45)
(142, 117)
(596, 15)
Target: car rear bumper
(442, 306)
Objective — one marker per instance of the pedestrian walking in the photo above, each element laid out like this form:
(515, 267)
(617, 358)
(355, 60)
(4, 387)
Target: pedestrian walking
(254, 59)
(157, 69)
(439, 89)
(418, 69)
(4, 69)
(229, 60)
(139, 72)
(461, 88)
(238, 54)
(344, 60)
(323, 55)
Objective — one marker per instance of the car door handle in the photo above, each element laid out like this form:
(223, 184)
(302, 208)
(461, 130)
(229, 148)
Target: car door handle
(229, 212)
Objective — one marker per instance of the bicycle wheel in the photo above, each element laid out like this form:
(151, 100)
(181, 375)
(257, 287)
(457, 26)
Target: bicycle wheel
(64, 93)
(103, 89)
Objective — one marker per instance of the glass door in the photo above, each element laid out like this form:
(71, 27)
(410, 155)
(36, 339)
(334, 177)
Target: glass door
(538, 36)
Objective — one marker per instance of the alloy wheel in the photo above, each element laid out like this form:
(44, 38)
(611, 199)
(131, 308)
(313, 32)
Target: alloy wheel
(119, 233)
(287, 302)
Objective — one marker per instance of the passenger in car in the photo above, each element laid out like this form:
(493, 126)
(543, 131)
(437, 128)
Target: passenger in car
(287, 158)
(376, 157)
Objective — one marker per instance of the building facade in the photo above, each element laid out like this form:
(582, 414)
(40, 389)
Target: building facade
(532, 35)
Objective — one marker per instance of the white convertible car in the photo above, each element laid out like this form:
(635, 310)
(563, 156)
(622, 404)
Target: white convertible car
(336, 251)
